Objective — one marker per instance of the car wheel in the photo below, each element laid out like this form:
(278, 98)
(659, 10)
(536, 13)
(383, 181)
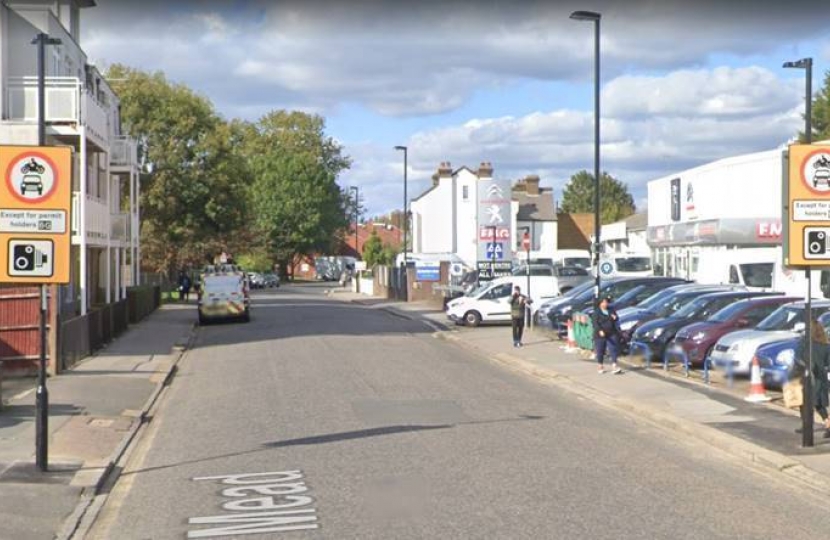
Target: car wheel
(472, 318)
(246, 316)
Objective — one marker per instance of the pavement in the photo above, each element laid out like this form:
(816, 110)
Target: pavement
(95, 410)
(762, 435)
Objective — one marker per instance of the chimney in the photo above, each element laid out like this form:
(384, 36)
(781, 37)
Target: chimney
(444, 171)
(532, 184)
(485, 170)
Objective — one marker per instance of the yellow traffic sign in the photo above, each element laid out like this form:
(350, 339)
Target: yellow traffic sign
(35, 212)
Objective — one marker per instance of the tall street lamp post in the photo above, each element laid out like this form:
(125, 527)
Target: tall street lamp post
(807, 396)
(42, 394)
(356, 191)
(595, 18)
(405, 205)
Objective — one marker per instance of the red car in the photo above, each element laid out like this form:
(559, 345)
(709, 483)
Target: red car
(696, 340)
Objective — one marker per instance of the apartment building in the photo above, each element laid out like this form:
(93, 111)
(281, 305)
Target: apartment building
(82, 112)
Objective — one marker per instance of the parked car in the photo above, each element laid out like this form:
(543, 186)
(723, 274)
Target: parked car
(223, 295)
(661, 304)
(489, 303)
(543, 310)
(736, 349)
(256, 280)
(777, 359)
(697, 340)
(564, 278)
(655, 335)
(271, 280)
(613, 287)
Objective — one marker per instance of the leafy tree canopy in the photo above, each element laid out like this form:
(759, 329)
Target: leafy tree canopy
(616, 202)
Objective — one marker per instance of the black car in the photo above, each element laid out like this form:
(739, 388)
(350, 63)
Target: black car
(655, 335)
(614, 287)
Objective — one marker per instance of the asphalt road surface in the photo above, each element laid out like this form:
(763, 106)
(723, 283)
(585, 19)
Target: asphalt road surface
(322, 419)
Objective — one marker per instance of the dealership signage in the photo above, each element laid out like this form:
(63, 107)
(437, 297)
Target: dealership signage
(494, 220)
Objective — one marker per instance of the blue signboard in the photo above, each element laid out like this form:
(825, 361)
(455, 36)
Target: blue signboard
(427, 272)
(497, 248)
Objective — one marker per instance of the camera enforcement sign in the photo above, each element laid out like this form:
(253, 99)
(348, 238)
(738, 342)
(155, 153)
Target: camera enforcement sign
(35, 203)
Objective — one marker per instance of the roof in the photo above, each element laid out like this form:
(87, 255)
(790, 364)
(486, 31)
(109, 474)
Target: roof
(637, 222)
(535, 207)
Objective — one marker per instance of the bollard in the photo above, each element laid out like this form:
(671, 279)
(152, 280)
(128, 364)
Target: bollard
(685, 362)
(730, 374)
(706, 369)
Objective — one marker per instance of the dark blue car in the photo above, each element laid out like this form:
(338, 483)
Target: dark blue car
(777, 359)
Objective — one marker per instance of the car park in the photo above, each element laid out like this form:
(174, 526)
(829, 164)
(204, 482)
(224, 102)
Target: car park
(653, 337)
(734, 351)
(696, 340)
(613, 287)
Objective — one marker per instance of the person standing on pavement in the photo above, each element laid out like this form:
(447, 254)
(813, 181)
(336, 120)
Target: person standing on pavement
(606, 334)
(820, 365)
(184, 286)
(518, 303)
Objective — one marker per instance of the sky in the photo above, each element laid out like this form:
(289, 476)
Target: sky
(506, 82)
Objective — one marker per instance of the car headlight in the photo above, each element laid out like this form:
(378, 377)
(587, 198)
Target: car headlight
(785, 358)
(700, 336)
(627, 325)
(656, 333)
(565, 310)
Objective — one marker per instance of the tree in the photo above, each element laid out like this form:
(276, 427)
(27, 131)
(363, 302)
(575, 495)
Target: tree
(821, 112)
(616, 202)
(373, 250)
(298, 206)
(194, 194)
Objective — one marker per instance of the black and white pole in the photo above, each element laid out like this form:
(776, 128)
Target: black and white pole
(42, 394)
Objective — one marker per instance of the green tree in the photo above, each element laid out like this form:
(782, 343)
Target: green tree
(194, 196)
(298, 206)
(373, 250)
(821, 112)
(616, 202)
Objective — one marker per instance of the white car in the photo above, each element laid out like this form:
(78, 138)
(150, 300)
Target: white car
(489, 303)
(738, 348)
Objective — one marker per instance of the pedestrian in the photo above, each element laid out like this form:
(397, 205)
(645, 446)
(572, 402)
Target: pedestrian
(518, 303)
(606, 334)
(184, 286)
(820, 365)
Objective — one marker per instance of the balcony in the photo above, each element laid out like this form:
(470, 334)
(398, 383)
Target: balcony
(97, 226)
(68, 105)
(123, 152)
(120, 227)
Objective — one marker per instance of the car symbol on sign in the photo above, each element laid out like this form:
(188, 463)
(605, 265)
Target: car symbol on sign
(31, 182)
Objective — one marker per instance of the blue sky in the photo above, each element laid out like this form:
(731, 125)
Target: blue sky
(683, 83)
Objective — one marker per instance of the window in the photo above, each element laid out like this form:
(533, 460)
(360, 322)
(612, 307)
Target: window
(757, 274)
(465, 193)
(502, 291)
(733, 274)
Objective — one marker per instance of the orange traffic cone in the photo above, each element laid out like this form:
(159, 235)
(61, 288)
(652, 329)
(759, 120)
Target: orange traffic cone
(757, 394)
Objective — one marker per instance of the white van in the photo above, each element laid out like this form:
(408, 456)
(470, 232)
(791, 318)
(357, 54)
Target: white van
(625, 265)
(572, 257)
(224, 293)
(490, 303)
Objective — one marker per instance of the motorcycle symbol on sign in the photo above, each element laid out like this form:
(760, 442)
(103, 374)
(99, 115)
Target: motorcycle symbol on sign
(822, 171)
(32, 180)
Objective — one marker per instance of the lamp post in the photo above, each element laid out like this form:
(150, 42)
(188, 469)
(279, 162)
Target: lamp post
(405, 205)
(595, 18)
(356, 191)
(807, 396)
(42, 394)
(526, 246)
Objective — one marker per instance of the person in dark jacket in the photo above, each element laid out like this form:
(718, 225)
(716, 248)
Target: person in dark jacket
(518, 303)
(820, 365)
(606, 334)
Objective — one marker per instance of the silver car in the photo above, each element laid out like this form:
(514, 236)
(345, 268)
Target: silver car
(736, 349)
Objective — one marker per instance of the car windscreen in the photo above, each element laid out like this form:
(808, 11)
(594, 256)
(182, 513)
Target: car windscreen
(704, 307)
(729, 312)
(579, 289)
(633, 264)
(584, 262)
(626, 298)
(783, 318)
(757, 274)
(478, 290)
(656, 299)
(673, 304)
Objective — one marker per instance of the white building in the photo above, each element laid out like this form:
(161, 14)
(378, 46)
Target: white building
(445, 217)
(626, 236)
(726, 204)
(82, 111)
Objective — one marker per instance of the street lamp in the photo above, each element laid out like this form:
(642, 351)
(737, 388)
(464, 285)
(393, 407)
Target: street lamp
(807, 396)
(405, 206)
(42, 393)
(356, 191)
(595, 18)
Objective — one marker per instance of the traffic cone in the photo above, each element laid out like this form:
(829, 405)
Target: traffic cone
(571, 344)
(757, 394)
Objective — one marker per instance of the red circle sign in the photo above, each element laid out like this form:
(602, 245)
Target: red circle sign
(526, 241)
(32, 177)
(815, 172)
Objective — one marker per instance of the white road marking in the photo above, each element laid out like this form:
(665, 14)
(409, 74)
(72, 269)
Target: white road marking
(281, 508)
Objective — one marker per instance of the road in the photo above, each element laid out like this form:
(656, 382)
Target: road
(371, 428)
